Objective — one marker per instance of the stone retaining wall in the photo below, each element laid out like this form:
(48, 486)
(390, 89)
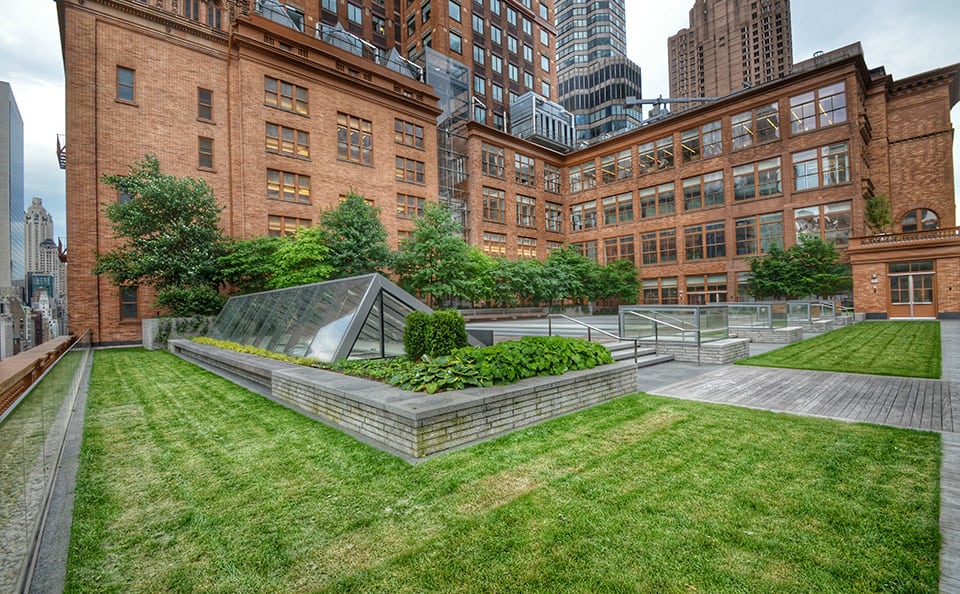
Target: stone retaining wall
(411, 424)
(787, 335)
(716, 352)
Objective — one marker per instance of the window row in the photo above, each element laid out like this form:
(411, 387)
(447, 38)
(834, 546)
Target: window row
(493, 164)
(495, 210)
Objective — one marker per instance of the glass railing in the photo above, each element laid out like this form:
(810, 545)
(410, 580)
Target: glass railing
(32, 433)
(764, 315)
(674, 323)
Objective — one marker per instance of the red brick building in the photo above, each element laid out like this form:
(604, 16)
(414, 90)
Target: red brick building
(282, 123)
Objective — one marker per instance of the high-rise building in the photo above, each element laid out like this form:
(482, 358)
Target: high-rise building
(729, 45)
(38, 228)
(11, 190)
(594, 75)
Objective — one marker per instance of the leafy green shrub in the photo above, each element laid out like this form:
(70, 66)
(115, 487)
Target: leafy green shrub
(503, 363)
(416, 334)
(447, 332)
(182, 302)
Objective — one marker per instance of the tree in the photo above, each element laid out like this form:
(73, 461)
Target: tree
(435, 259)
(574, 275)
(249, 264)
(169, 236)
(878, 214)
(355, 238)
(812, 267)
(301, 260)
(618, 279)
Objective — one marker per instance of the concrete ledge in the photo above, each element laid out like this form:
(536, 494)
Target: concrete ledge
(787, 335)
(411, 424)
(717, 352)
(818, 326)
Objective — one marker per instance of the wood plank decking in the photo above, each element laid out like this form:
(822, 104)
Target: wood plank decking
(897, 401)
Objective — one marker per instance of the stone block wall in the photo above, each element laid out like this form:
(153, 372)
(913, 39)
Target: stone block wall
(412, 424)
(717, 352)
(787, 335)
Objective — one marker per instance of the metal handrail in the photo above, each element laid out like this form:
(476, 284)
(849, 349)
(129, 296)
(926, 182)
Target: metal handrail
(656, 330)
(590, 329)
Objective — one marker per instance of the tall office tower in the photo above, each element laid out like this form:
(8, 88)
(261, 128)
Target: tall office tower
(11, 190)
(729, 45)
(505, 46)
(593, 72)
(38, 228)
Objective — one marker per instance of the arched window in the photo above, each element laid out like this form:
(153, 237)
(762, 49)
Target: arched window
(920, 219)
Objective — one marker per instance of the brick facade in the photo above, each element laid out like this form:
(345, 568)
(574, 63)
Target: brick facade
(892, 138)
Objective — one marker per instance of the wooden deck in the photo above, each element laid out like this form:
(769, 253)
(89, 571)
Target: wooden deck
(897, 401)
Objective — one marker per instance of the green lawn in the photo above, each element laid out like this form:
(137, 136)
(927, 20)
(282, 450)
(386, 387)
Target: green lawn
(190, 484)
(908, 349)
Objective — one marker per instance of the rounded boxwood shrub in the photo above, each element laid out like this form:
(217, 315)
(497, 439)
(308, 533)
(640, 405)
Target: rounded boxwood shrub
(416, 332)
(447, 332)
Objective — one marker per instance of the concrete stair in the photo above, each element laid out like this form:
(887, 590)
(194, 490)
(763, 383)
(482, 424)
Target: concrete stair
(623, 351)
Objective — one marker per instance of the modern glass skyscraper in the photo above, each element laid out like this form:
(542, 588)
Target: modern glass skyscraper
(593, 72)
(11, 190)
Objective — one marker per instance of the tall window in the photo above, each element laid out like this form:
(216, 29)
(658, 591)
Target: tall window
(657, 201)
(703, 191)
(524, 169)
(454, 9)
(526, 211)
(205, 104)
(755, 126)
(287, 141)
(659, 247)
(205, 153)
(126, 84)
(494, 244)
(618, 209)
(819, 108)
(830, 222)
(354, 13)
(582, 176)
(587, 249)
(279, 226)
(492, 159)
(409, 170)
(494, 205)
(583, 216)
(408, 133)
(824, 166)
(287, 186)
(702, 142)
(654, 156)
(354, 139)
(705, 241)
(619, 248)
(920, 219)
(756, 234)
(526, 248)
(616, 166)
(551, 178)
(661, 291)
(757, 179)
(213, 16)
(284, 95)
(409, 207)
(554, 217)
(129, 303)
(456, 42)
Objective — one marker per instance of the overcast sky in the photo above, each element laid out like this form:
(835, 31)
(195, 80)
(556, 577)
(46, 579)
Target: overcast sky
(906, 38)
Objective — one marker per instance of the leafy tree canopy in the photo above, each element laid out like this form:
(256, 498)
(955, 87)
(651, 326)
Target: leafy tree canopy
(169, 234)
(248, 264)
(355, 237)
(435, 260)
(878, 213)
(301, 259)
(811, 267)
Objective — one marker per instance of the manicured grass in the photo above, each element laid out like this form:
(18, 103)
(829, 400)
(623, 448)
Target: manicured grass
(908, 349)
(190, 484)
